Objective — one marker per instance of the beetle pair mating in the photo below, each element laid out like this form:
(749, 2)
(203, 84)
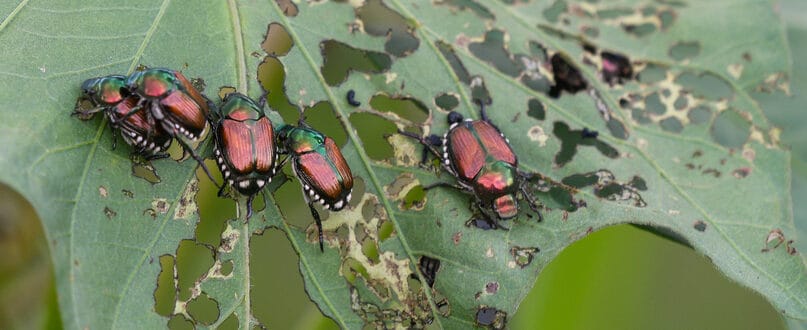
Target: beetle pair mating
(480, 157)
(247, 150)
(150, 108)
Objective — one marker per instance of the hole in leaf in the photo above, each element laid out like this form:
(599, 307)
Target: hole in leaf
(640, 30)
(405, 107)
(567, 77)
(290, 10)
(323, 117)
(700, 114)
(145, 171)
(373, 131)
(706, 86)
(203, 310)
(615, 68)
(490, 317)
(380, 20)
(612, 13)
(456, 64)
(272, 77)
(667, 18)
(730, 129)
(652, 74)
(165, 295)
(523, 255)
(536, 109)
(339, 59)
(671, 124)
(278, 261)
(699, 226)
(553, 12)
(429, 267)
(685, 50)
(179, 322)
(192, 262)
(446, 102)
(571, 139)
(277, 41)
(493, 50)
(653, 104)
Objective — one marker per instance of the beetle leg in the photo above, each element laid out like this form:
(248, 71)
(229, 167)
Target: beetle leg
(249, 207)
(92, 111)
(221, 190)
(429, 143)
(443, 184)
(187, 148)
(532, 203)
(157, 156)
(282, 162)
(482, 113)
(315, 214)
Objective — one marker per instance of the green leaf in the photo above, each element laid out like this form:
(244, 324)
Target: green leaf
(690, 154)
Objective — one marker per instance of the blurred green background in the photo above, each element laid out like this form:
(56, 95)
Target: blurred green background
(618, 278)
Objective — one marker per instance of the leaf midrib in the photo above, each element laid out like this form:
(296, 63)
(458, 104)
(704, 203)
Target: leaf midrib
(365, 160)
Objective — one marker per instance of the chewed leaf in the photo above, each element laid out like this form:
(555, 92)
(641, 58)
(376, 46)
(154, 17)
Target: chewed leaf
(638, 112)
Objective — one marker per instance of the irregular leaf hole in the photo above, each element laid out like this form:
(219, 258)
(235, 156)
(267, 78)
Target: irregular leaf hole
(456, 64)
(572, 139)
(339, 59)
(192, 262)
(214, 212)
(380, 20)
(406, 107)
(730, 129)
(616, 68)
(373, 131)
(494, 51)
(536, 109)
(654, 105)
(230, 323)
(640, 30)
(323, 117)
(280, 304)
(699, 226)
(203, 309)
(385, 230)
(667, 18)
(523, 255)
(165, 295)
(685, 50)
(553, 13)
(179, 322)
(226, 268)
(707, 86)
(146, 172)
(272, 76)
(446, 101)
(289, 9)
(429, 268)
(671, 124)
(370, 250)
(700, 114)
(224, 91)
(652, 73)
(613, 13)
(277, 41)
(567, 77)
(491, 317)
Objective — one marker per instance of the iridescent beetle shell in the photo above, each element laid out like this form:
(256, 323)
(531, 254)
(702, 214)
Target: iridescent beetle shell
(245, 146)
(109, 94)
(483, 161)
(172, 101)
(320, 166)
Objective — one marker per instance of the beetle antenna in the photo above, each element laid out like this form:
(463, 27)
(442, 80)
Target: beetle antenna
(262, 99)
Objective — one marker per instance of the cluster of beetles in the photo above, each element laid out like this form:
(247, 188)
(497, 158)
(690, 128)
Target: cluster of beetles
(154, 106)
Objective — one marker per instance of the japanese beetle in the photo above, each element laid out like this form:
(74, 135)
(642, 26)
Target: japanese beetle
(320, 166)
(108, 94)
(245, 146)
(174, 104)
(480, 157)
